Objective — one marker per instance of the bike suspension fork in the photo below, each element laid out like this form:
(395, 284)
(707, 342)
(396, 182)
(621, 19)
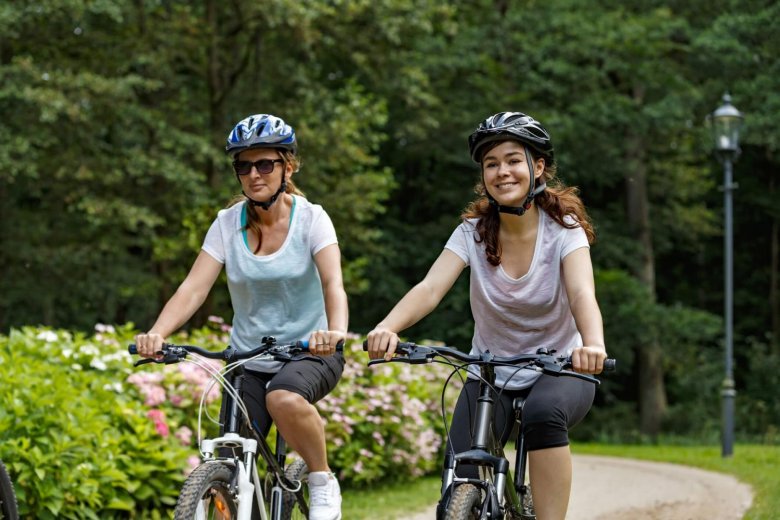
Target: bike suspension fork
(449, 471)
(521, 450)
(276, 489)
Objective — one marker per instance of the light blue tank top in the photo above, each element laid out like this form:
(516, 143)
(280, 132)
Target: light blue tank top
(279, 294)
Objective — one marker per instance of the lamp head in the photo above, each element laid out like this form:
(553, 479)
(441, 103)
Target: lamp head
(726, 123)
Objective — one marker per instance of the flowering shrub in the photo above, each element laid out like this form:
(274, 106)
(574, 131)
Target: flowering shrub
(87, 435)
(77, 440)
(384, 421)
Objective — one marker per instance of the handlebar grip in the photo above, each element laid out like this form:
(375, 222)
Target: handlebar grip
(401, 346)
(609, 365)
(304, 345)
(132, 349)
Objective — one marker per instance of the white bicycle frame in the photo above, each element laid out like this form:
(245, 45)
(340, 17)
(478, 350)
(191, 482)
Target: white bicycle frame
(247, 490)
(249, 486)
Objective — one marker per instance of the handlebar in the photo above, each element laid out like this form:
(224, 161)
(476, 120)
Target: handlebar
(175, 353)
(543, 360)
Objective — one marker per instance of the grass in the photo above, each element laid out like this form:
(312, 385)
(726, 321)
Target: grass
(390, 502)
(756, 465)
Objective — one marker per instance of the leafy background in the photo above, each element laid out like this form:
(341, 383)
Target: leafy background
(113, 116)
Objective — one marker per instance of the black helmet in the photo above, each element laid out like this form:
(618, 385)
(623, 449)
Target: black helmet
(261, 131)
(511, 125)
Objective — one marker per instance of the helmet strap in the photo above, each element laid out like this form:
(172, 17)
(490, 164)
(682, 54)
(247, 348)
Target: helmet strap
(517, 210)
(268, 203)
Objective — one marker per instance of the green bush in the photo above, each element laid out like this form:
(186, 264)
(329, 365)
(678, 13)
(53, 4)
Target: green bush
(76, 438)
(384, 422)
(87, 435)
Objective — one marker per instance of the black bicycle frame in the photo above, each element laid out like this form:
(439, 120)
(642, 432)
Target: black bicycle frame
(487, 452)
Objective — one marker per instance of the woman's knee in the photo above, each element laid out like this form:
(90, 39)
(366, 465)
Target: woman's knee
(284, 401)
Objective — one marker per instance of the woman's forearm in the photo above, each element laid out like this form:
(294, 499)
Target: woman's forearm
(336, 307)
(588, 319)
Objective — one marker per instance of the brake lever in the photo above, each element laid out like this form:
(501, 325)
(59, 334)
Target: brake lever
(554, 368)
(170, 357)
(409, 360)
(584, 377)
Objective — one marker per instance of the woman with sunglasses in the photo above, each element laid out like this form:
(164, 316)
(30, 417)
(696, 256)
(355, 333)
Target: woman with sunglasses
(283, 267)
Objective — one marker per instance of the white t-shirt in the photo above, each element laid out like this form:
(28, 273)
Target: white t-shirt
(518, 316)
(279, 294)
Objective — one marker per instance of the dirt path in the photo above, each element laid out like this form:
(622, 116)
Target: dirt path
(611, 488)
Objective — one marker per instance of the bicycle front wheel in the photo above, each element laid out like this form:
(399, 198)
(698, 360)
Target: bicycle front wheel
(528, 505)
(8, 510)
(291, 508)
(465, 503)
(206, 494)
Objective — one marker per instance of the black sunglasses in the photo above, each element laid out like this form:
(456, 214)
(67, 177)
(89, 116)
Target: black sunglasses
(263, 166)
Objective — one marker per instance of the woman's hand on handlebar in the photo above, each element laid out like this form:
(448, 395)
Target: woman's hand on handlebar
(381, 343)
(149, 344)
(323, 342)
(588, 359)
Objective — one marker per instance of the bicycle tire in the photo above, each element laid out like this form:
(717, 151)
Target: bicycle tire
(296, 472)
(465, 503)
(528, 512)
(206, 494)
(8, 509)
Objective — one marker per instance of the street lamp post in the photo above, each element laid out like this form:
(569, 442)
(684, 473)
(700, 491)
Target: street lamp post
(726, 123)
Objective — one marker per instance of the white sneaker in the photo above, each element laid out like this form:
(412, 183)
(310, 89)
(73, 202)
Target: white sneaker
(324, 496)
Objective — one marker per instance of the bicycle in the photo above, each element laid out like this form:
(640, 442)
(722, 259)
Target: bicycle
(8, 509)
(488, 497)
(226, 485)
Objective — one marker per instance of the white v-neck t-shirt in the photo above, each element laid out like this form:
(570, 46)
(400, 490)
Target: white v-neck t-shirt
(279, 294)
(518, 316)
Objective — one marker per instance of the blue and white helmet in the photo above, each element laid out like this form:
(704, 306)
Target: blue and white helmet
(261, 131)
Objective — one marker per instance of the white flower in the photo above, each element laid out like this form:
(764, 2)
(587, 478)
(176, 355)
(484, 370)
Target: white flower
(98, 363)
(48, 336)
(100, 327)
(116, 387)
(89, 349)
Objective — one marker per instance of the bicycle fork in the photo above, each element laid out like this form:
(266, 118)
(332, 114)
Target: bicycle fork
(480, 455)
(246, 490)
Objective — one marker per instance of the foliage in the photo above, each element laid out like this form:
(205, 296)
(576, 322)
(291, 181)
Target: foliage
(123, 447)
(73, 434)
(112, 129)
(384, 422)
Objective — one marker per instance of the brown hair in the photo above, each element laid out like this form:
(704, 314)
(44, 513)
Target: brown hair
(557, 200)
(253, 217)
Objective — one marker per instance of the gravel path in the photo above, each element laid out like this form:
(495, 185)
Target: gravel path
(611, 488)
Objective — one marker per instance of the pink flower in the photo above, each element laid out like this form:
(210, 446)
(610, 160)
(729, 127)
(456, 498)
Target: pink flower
(158, 417)
(193, 461)
(184, 434)
(155, 395)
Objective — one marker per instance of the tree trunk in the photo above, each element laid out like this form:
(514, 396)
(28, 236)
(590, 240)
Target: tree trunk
(652, 393)
(215, 86)
(774, 270)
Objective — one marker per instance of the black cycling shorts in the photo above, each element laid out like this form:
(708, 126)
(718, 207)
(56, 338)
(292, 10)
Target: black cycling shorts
(552, 406)
(313, 378)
